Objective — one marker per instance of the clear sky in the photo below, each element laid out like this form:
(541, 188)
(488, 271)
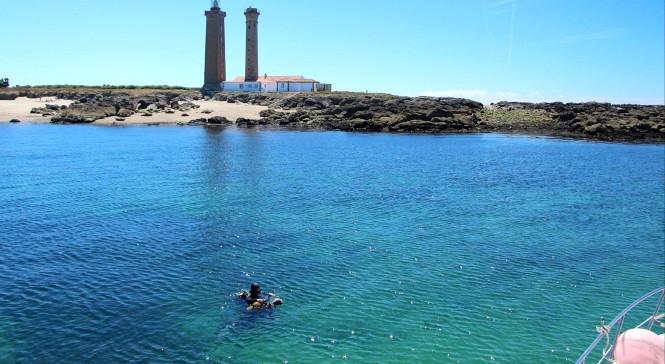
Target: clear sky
(533, 50)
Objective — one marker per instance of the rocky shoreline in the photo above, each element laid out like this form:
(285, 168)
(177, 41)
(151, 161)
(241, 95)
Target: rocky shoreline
(388, 113)
(367, 113)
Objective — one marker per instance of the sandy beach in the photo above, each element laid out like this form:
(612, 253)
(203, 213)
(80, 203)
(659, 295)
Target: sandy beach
(20, 109)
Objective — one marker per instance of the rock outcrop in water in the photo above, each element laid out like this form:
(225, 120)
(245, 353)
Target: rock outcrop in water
(374, 113)
(358, 112)
(588, 120)
(361, 112)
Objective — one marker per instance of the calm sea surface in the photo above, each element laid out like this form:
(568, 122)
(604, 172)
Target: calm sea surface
(125, 244)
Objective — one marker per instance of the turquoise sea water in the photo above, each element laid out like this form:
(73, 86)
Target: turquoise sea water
(125, 244)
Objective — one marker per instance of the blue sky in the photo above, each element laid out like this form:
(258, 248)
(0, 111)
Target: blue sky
(488, 50)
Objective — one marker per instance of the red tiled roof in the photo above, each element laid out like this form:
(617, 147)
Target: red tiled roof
(278, 79)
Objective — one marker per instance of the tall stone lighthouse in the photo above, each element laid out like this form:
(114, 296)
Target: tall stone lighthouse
(252, 46)
(215, 59)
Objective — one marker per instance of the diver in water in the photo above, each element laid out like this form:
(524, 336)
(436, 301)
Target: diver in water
(254, 299)
(254, 294)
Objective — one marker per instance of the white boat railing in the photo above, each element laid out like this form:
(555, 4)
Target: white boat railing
(604, 331)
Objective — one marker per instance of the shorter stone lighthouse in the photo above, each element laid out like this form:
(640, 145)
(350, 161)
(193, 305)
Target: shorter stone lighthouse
(215, 61)
(252, 46)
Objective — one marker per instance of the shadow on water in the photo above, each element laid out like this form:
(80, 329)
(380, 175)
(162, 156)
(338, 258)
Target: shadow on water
(215, 156)
(232, 164)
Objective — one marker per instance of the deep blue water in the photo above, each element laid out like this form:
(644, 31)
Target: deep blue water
(125, 244)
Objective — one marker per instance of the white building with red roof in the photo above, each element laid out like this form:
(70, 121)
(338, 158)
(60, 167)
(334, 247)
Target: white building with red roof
(267, 83)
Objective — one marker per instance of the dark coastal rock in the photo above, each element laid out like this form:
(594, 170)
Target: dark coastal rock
(83, 113)
(41, 111)
(8, 96)
(364, 115)
(142, 104)
(201, 121)
(188, 106)
(14, 121)
(566, 116)
(361, 112)
(125, 113)
(245, 123)
(219, 120)
(378, 112)
(438, 113)
(581, 120)
(52, 107)
(596, 129)
(415, 126)
(70, 119)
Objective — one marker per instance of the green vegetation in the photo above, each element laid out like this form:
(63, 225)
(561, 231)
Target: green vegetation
(520, 117)
(113, 87)
(131, 90)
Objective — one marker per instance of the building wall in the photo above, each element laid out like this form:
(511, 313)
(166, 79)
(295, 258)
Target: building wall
(278, 86)
(269, 86)
(242, 86)
(296, 86)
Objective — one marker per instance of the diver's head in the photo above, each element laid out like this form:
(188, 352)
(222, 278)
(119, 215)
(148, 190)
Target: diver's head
(255, 288)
